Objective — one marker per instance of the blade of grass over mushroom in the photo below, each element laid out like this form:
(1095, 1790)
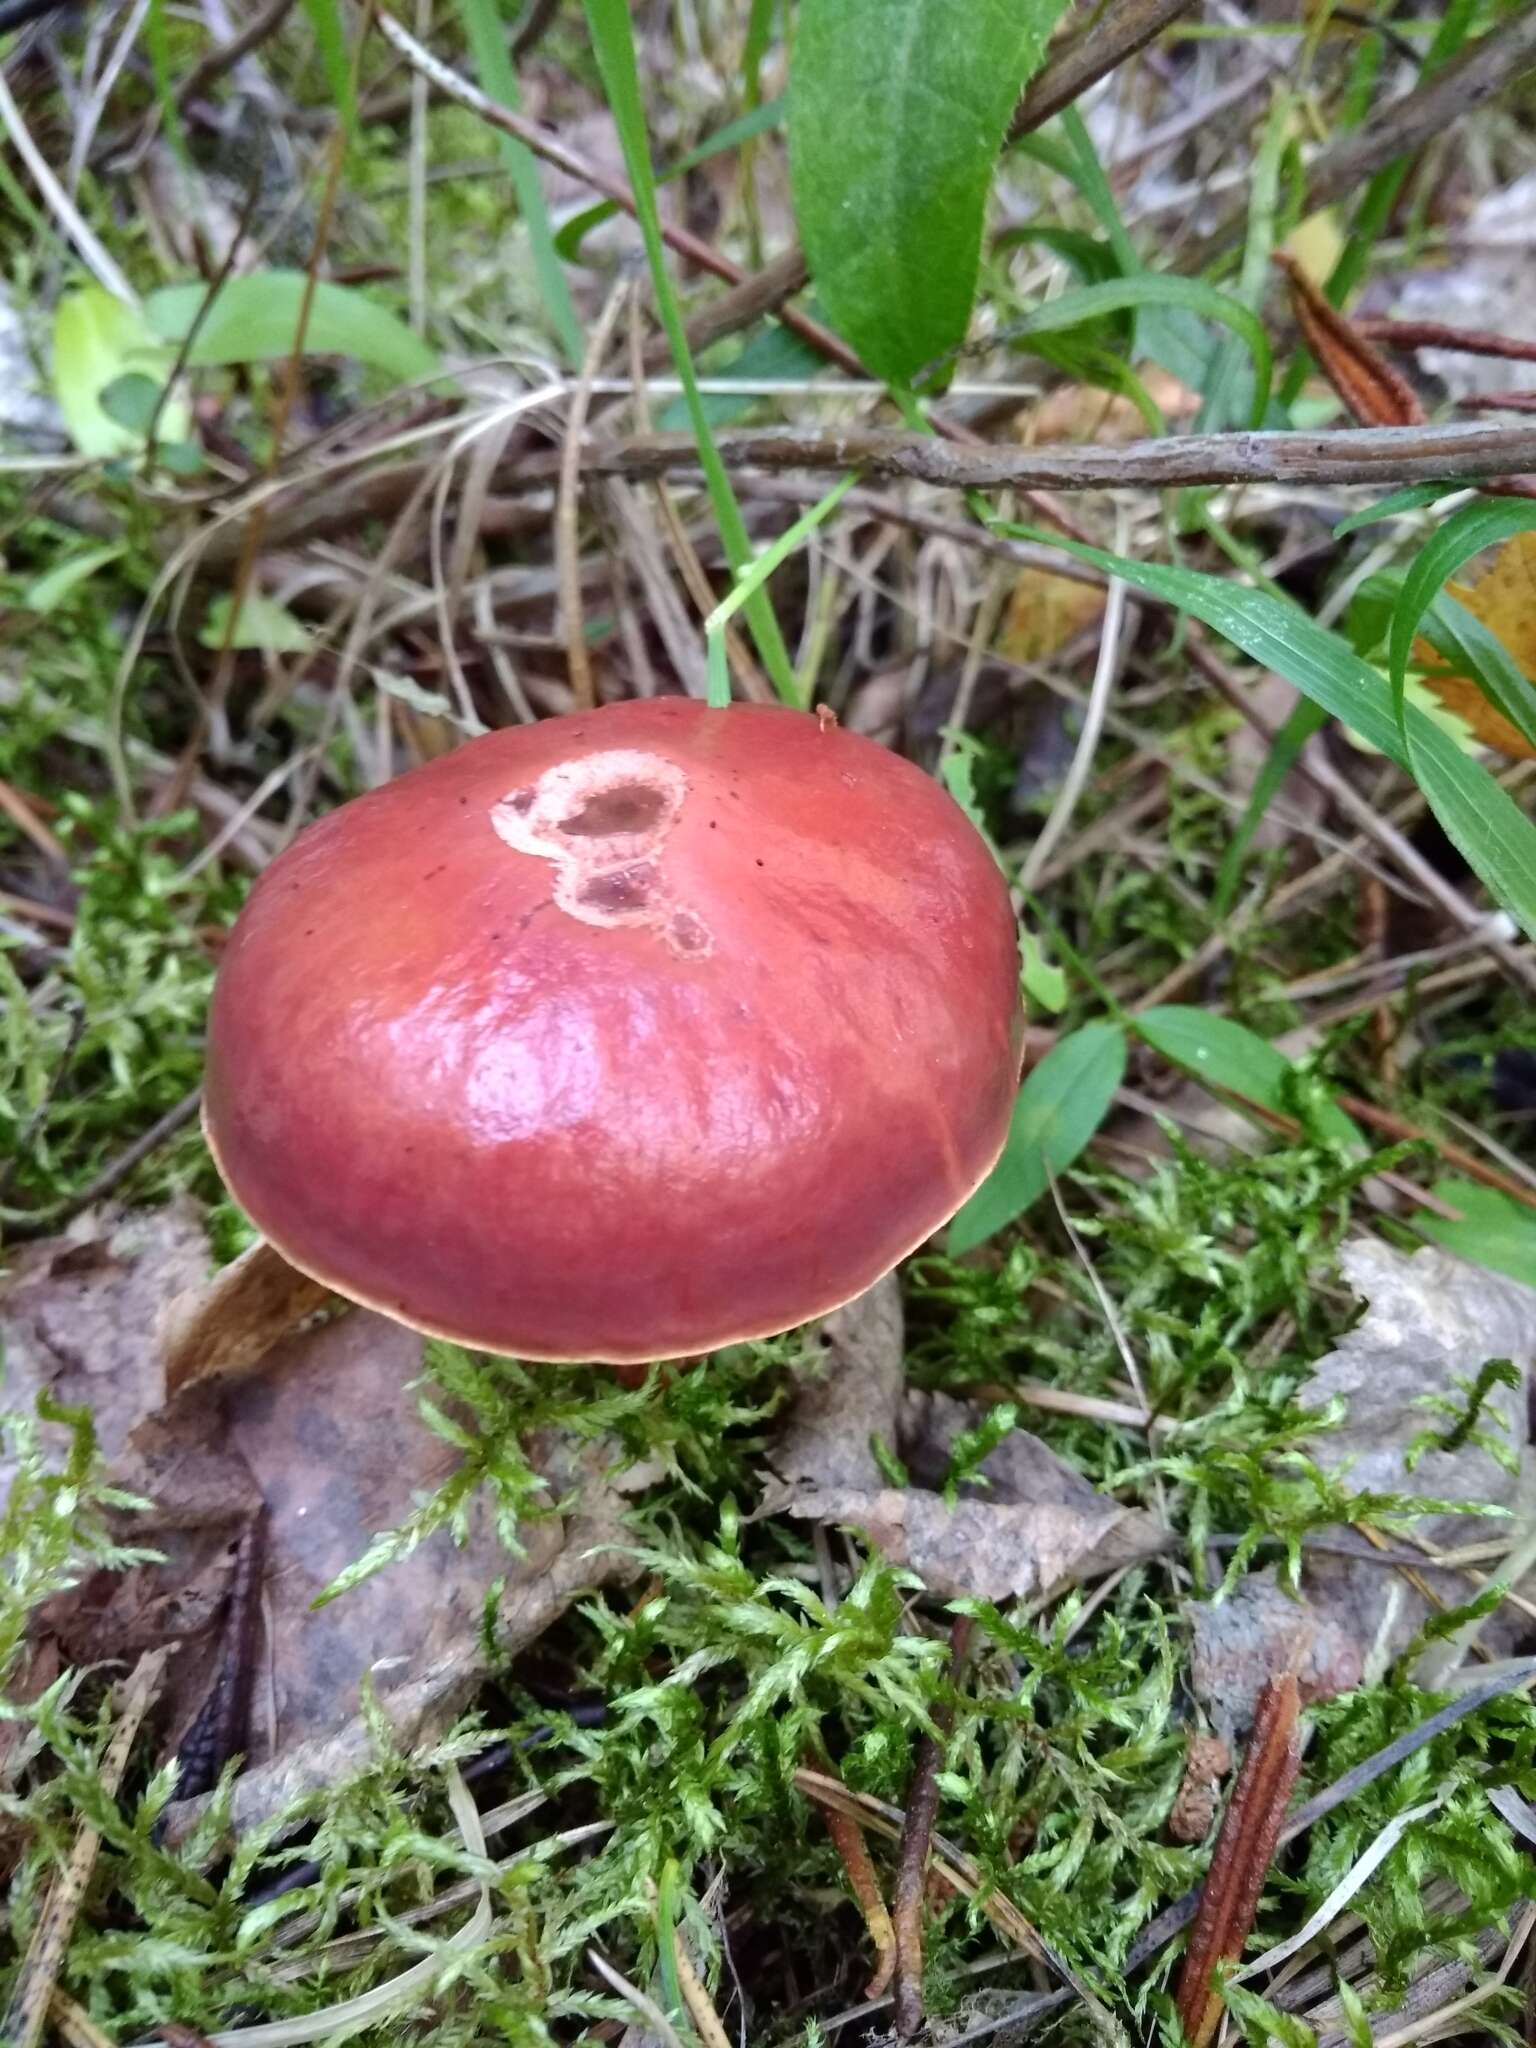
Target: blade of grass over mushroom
(1492, 1230)
(613, 41)
(254, 320)
(752, 580)
(1482, 524)
(897, 113)
(486, 36)
(1285, 750)
(1225, 1054)
(1061, 1105)
(1480, 818)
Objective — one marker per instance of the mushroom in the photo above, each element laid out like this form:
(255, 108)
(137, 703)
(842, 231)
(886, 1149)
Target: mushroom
(618, 1037)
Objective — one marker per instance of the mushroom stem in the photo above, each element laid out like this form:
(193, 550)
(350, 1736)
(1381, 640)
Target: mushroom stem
(226, 1328)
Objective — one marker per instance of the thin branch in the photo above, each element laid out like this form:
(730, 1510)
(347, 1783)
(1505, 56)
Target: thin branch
(1352, 455)
(216, 62)
(1118, 33)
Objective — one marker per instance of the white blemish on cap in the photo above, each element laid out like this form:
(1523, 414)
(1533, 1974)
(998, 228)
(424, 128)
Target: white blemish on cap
(602, 822)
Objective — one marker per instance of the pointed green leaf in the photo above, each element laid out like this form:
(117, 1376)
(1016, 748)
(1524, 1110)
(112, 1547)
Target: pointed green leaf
(1061, 1105)
(897, 112)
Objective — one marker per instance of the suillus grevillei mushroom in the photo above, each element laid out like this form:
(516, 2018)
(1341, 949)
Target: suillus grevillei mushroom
(621, 1036)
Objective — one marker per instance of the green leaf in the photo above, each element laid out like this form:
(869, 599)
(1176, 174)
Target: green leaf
(1480, 818)
(1494, 1231)
(1285, 749)
(254, 320)
(132, 400)
(897, 112)
(1061, 1105)
(1483, 524)
(97, 342)
(263, 625)
(1184, 294)
(1225, 1054)
(1044, 983)
(1411, 498)
(487, 38)
(48, 591)
(775, 354)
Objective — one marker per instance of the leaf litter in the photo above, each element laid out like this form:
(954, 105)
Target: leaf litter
(327, 1446)
(1412, 1411)
(1024, 1524)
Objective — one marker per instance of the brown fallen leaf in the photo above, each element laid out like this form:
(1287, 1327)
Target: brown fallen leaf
(1035, 1526)
(1259, 1632)
(1504, 600)
(1079, 412)
(326, 1439)
(1376, 394)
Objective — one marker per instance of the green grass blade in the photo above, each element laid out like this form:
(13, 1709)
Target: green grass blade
(613, 40)
(1285, 749)
(1480, 818)
(1411, 498)
(1493, 1231)
(331, 39)
(486, 36)
(1184, 294)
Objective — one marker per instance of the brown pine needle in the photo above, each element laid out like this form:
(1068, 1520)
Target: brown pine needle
(1242, 1856)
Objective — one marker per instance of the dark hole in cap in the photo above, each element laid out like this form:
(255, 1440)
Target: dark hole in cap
(624, 889)
(627, 807)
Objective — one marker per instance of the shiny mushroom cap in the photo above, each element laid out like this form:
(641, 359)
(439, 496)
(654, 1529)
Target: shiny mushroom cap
(621, 1036)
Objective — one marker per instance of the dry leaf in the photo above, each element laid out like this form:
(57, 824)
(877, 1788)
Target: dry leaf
(329, 1440)
(1504, 600)
(1035, 1526)
(1375, 393)
(1046, 612)
(1078, 412)
(1259, 1632)
(1430, 1325)
(851, 1395)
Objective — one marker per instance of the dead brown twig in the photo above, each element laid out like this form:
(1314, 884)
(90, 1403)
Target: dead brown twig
(1364, 455)
(1240, 1862)
(916, 1842)
(1463, 341)
(1099, 48)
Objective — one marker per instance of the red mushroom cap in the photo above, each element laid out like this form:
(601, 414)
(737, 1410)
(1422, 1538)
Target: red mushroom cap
(621, 1036)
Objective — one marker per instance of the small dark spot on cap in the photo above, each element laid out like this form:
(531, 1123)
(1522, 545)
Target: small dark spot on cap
(686, 933)
(627, 807)
(624, 889)
(762, 863)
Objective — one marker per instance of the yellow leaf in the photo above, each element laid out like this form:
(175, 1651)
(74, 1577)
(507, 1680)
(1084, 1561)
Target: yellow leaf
(1316, 244)
(1046, 611)
(1504, 600)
